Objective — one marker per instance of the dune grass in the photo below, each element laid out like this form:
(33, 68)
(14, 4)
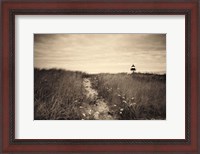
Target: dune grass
(57, 94)
(133, 96)
(60, 95)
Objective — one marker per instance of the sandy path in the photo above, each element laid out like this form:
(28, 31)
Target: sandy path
(99, 109)
(91, 93)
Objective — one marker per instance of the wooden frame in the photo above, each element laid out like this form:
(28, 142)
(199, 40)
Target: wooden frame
(10, 9)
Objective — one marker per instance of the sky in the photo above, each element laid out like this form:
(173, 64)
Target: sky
(101, 53)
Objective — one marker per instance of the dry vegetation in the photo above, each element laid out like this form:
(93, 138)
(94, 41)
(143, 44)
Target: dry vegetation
(133, 96)
(59, 94)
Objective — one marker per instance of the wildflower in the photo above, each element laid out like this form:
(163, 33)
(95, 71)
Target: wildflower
(80, 107)
(114, 105)
(123, 97)
(132, 104)
(84, 114)
(120, 112)
(90, 112)
(132, 98)
(124, 101)
(121, 109)
(119, 95)
(75, 101)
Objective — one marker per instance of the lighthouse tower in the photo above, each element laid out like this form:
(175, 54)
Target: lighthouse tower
(133, 68)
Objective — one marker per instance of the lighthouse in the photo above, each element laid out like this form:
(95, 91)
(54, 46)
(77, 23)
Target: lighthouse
(133, 68)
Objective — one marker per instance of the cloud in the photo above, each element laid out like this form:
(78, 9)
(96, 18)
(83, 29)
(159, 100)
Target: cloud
(101, 52)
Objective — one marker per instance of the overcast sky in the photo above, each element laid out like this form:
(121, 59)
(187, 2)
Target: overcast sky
(96, 53)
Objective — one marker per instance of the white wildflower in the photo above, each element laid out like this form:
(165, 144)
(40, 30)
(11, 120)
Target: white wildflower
(90, 112)
(124, 101)
(121, 109)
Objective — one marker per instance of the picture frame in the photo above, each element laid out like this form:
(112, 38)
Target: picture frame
(12, 8)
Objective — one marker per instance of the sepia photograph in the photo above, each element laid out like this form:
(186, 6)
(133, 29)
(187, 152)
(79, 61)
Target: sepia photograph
(100, 76)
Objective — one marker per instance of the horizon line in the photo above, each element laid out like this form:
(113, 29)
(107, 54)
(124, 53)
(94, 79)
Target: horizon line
(55, 68)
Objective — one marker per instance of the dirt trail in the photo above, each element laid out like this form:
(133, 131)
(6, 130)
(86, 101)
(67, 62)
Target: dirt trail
(91, 93)
(98, 108)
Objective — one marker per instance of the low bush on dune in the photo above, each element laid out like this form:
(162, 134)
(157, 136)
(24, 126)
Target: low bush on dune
(133, 96)
(57, 94)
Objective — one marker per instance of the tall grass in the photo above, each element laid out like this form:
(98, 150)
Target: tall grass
(133, 96)
(57, 94)
(60, 94)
